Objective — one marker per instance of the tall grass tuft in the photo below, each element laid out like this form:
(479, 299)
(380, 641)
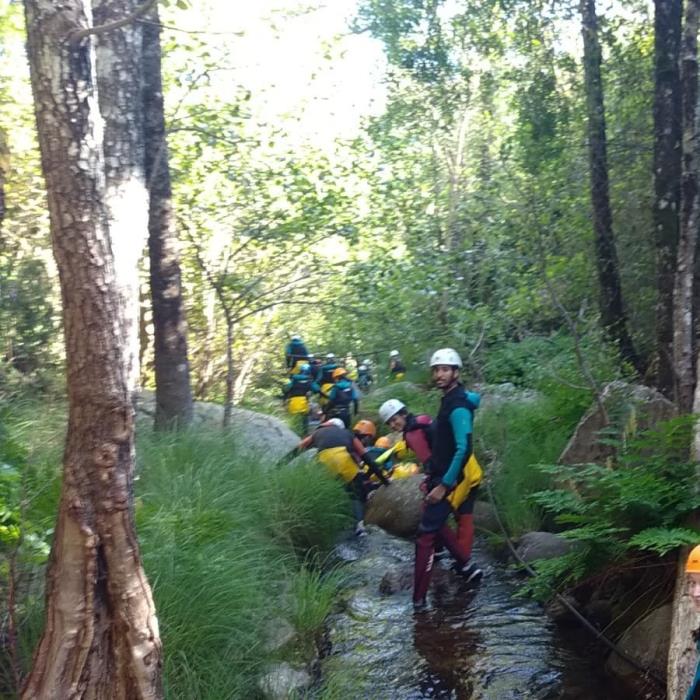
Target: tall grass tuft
(228, 544)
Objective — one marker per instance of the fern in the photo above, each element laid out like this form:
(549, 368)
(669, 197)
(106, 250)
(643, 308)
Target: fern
(662, 540)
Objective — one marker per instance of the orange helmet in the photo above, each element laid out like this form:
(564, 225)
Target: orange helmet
(383, 442)
(693, 564)
(339, 372)
(365, 427)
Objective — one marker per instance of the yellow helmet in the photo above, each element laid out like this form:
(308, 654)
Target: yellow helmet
(383, 442)
(339, 372)
(693, 564)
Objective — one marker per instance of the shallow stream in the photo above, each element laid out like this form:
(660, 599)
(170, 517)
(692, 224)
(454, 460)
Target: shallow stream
(473, 644)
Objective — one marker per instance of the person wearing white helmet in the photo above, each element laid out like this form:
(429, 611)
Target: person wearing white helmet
(451, 473)
(295, 353)
(397, 369)
(364, 377)
(416, 430)
(342, 453)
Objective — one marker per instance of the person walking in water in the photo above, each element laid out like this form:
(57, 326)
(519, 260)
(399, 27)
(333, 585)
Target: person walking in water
(296, 393)
(452, 475)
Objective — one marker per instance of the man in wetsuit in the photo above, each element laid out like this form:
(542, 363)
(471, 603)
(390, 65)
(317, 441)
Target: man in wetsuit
(342, 453)
(295, 353)
(342, 397)
(450, 473)
(296, 392)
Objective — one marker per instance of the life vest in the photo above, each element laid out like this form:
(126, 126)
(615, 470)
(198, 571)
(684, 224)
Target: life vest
(342, 395)
(444, 445)
(328, 436)
(418, 435)
(301, 385)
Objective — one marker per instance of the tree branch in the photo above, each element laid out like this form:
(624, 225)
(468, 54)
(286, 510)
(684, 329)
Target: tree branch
(76, 36)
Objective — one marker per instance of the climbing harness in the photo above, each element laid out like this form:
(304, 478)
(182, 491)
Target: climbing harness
(588, 625)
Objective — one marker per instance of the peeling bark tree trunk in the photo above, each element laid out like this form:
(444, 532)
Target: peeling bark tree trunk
(667, 177)
(172, 369)
(611, 305)
(119, 91)
(683, 293)
(101, 636)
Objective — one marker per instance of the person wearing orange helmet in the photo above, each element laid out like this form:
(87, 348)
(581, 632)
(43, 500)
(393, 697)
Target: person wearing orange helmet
(342, 397)
(692, 569)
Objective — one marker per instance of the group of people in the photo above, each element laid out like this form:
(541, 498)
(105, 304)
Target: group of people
(337, 386)
(444, 449)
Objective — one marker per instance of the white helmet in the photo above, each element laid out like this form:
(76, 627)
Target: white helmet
(296, 337)
(390, 408)
(330, 356)
(394, 353)
(362, 368)
(365, 362)
(446, 356)
(337, 422)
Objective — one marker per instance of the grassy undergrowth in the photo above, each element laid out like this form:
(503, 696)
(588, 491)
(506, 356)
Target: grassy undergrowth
(230, 546)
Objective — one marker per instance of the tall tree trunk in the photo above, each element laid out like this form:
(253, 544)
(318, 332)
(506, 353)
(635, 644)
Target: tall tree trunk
(667, 177)
(101, 636)
(119, 91)
(172, 369)
(611, 305)
(683, 293)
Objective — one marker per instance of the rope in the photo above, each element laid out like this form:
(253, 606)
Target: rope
(590, 627)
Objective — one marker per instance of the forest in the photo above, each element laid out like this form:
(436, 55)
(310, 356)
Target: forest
(185, 187)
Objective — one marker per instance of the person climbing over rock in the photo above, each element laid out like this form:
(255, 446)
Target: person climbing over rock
(397, 369)
(342, 454)
(295, 353)
(692, 569)
(417, 430)
(296, 392)
(342, 397)
(453, 477)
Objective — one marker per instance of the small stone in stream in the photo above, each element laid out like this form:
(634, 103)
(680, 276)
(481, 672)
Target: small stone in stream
(396, 580)
(282, 681)
(278, 634)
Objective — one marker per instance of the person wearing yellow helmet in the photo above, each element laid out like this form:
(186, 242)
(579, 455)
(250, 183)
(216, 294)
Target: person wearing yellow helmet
(341, 397)
(365, 431)
(692, 569)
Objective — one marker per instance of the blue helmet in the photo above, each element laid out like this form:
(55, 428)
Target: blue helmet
(305, 368)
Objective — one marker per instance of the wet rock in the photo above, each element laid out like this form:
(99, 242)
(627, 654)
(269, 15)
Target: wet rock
(282, 681)
(257, 433)
(397, 580)
(495, 395)
(630, 407)
(542, 545)
(278, 634)
(558, 612)
(599, 613)
(397, 508)
(647, 642)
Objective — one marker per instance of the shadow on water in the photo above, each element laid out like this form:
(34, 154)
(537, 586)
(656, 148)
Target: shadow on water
(473, 643)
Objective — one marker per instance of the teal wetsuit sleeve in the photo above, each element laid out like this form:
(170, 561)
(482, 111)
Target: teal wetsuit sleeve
(315, 387)
(461, 422)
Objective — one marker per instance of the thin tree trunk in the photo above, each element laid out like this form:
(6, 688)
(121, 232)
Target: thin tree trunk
(611, 305)
(667, 177)
(119, 91)
(230, 378)
(172, 370)
(101, 636)
(683, 320)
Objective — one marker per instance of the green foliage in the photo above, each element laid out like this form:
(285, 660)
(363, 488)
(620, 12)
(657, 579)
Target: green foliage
(228, 544)
(638, 503)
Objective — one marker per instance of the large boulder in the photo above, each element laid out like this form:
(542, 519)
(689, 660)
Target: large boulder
(485, 516)
(630, 408)
(646, 642)
(542, 545)
(256, 433)
(397, 507)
